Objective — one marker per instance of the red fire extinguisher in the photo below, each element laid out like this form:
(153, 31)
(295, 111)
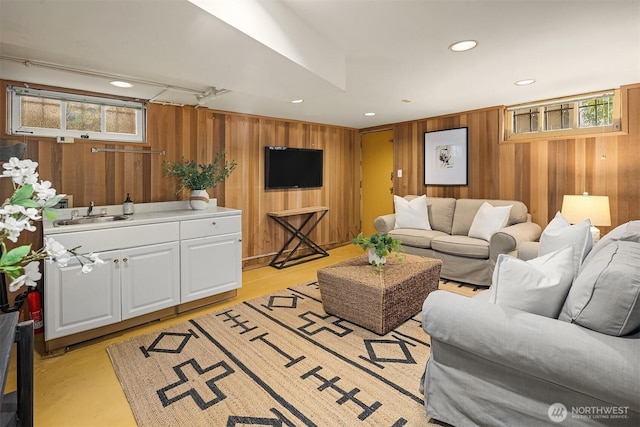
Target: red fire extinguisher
(35, 309)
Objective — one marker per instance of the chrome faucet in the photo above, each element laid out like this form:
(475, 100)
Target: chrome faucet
(90, 209)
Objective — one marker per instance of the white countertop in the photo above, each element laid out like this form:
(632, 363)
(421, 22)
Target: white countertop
(144, 213)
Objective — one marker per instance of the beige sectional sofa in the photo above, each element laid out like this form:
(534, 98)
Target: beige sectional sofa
(465, 259)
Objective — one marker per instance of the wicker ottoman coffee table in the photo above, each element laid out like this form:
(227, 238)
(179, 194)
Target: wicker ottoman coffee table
(353, 290)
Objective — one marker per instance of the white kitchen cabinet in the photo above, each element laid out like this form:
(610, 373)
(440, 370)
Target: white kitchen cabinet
(134, 280)
(154, 262)
(212, 263)
(131, 283)
(76, 302)
(149, 278)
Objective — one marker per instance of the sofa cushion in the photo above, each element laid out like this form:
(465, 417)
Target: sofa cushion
(411, 213)
(463, 246)
(466, 210)
(488, 220)
(440, 210)
(519, 212)
(538, 286)
(605, 297)
(441, 213)
(559, 233)
(414, 237)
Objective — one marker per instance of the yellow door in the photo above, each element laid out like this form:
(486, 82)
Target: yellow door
(377, 177)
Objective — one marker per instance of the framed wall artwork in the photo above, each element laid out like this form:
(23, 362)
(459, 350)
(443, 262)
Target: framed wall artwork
(446, 157)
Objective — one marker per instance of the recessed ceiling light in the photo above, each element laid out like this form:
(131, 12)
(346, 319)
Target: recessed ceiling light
(525, 82)
(369, 114)
(463, 45)
(297, 101)
(119, 83)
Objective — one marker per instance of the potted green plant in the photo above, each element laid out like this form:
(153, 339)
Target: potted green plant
(379, 246)
(199, 177)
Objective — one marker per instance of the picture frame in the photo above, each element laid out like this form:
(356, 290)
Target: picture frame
(446, 160)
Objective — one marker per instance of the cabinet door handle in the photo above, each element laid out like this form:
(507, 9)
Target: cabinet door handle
(213, 223)
(115, 261)
(125, 259)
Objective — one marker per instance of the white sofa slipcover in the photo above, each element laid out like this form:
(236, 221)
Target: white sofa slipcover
(495, 365)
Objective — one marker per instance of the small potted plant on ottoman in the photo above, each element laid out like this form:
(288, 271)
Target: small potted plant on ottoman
(379, 245)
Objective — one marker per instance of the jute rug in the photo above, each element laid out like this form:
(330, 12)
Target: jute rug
(278, 360)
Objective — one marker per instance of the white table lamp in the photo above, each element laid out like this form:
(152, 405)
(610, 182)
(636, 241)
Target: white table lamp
(577, 208)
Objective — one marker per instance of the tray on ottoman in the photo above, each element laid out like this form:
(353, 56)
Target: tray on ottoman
(353, 290)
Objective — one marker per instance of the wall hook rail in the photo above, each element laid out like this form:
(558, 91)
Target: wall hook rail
(122, 150)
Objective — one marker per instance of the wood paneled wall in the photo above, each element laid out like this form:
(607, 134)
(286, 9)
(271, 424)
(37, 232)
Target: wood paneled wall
(245, 139)
(537, 172)
(198, 134)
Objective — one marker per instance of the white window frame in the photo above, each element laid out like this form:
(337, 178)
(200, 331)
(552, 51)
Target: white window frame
(15, 111)
(574, 130)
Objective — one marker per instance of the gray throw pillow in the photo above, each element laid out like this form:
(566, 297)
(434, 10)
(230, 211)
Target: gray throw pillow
(629, 231)
(605, 297)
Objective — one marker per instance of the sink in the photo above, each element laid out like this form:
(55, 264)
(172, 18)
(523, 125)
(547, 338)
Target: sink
(90, 220)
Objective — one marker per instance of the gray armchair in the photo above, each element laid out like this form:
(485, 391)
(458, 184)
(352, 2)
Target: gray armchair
(493, 364)
(496, 366)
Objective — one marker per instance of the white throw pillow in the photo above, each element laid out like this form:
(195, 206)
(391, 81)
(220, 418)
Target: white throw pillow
(412, 213)
(538, 286)
(559, 233)
(488, 220)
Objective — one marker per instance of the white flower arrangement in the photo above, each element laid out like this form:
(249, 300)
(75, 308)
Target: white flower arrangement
(30, 200)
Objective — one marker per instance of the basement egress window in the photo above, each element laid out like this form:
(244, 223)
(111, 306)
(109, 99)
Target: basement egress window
(580, 115)
(48, 113)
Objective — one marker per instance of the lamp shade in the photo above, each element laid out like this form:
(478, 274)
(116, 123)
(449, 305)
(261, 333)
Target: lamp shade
(577, 208)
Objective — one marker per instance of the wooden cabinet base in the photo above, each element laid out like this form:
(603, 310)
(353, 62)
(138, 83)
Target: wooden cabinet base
(207, 301)
(60, 345)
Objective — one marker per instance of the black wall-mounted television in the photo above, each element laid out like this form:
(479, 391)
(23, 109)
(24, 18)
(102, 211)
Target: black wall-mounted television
(286, 167)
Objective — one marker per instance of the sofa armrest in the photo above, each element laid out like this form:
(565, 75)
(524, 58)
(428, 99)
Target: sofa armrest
(507, 239)
(385, 223)
(602, 366)
(528, 250)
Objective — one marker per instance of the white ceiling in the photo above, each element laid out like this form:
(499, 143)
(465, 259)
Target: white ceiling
(343, 57)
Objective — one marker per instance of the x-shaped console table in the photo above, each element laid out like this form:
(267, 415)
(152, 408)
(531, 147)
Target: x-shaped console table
(297, 233)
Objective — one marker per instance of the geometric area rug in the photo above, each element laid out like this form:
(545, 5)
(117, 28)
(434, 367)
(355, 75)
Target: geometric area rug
(277, 360)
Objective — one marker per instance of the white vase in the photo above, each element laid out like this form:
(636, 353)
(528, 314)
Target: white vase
(375, 258)
(199, 199)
